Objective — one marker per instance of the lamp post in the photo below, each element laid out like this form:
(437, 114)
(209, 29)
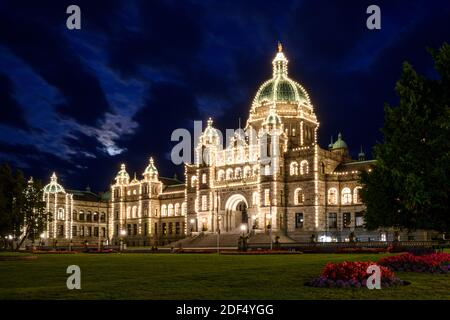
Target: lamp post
(243, 229)
(123, 233)
(269, 216)
(42, 236)
(218, 233)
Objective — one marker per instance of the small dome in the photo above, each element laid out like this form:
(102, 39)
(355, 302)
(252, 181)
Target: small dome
(211, 134)
(54, 186)
(273, 118)
(122, 176)
(151, 169)
(339, 144)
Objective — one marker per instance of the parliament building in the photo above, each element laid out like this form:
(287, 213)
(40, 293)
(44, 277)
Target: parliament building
(278, 179)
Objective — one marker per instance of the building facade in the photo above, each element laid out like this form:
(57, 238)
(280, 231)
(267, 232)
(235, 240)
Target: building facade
(271, 176)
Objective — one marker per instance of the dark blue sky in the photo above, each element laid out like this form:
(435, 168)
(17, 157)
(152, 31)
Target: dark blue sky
(80, 102)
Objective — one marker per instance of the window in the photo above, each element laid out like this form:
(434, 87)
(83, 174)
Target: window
(170, 227)
(117, 230)
(95, 231)
(103, 232)
(304, 167)
(356, 195)
(346, 196)
(255, 198)
(82, 231)
(177, 209)
(204, 203)
(163, 210)
(156, 228)
(81, 216)
(221, 175)
(60, 214)
(332, 220)
(347, 219)
(74, 216)
(60, 231)
(134, 211)
(255, 170)
(89, 216)
(116, 215)
(193, 181)
(129, 229)
(332, 196)
(247, 172)
(229, 174)
(299, 220)
(145, 229)
(183, 209)
(74, 231)
(204, 178)
(322, 168)
(170, 210)
(299, 197)
(103, 217)
(177, 228)
(135, 229)
(293, 168)
(238, 173)
(267, 197)
(89, 229)
(95, 216)
(359, 219)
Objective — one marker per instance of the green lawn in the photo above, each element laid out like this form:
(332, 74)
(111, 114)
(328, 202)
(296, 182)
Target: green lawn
(197, 276)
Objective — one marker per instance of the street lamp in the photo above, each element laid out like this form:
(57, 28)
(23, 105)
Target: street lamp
(123, 233)
(243, 228)
(219, 218)
(269, 216)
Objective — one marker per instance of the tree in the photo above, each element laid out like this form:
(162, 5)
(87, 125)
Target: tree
(11, 187)
(410, 185)
(32, 215)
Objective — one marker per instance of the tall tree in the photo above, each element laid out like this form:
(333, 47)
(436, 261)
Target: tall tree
(409, 188)
(32, 215)
(11, 187)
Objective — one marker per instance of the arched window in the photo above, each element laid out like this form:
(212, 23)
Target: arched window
(304, 167)
(81, 217)
(163, 210)
(60, 214)
(177, 209)
(74, 215)
(293, 168)
(129, 212)
(299, 197)
(221, 175)
(229, 174)
(255, 198)
(183, 209)
(346, 196)
(356, 195)
(247, 171)
(332, 196)
(204, 178)
(170, 210)
(134, 212)
(193, 181)
(238, 173)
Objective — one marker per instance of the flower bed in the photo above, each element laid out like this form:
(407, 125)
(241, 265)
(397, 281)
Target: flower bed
(430, 263)
(352, 275)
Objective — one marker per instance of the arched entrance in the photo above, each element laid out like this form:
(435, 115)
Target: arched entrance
(236, 213)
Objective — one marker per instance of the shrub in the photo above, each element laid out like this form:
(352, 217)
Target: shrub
(430, 263)
(352, 274)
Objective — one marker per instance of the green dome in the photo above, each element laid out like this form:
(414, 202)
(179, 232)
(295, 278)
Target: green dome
(273, 118)
(281, 90)
(340, 144)
(53, 186)
(151, 169)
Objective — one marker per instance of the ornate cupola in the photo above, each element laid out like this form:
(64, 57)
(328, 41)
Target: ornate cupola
(340, 146)
(211, 135)
(273, 121)
(151, 173)
(54, 186)
(122, 176)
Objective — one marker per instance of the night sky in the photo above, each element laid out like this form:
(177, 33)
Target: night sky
(80, 102)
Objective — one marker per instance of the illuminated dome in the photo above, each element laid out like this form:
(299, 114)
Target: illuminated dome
(54, 186)
(211, 134)
(122, 176)
(151, 172)
(273, 118)
(281, 88)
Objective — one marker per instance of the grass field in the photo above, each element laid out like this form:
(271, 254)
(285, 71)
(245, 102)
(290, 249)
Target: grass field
(197, 276)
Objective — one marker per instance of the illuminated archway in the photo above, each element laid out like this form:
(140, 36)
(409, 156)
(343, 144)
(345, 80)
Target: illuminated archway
(236, 212)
